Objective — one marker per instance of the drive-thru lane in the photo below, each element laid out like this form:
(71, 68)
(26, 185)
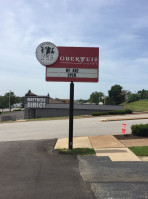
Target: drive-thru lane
(32, 170)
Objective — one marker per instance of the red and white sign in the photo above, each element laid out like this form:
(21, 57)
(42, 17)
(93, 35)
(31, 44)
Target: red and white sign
(77, 64)
(123, 128)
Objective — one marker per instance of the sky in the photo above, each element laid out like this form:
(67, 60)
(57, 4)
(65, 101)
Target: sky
(119, 28)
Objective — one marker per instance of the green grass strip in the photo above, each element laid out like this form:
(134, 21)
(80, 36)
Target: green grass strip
(49, 118)
(140, 105)
(140, 150)
(55, 118)
(78, 151)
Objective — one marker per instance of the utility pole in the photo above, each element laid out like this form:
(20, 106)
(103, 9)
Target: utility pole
(126, 98)
(9, 101)
(104, 99)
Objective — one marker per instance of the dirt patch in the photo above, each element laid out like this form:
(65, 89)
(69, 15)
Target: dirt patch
(128, 136)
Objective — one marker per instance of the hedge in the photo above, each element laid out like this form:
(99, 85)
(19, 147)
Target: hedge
(119, 112)
(140, 130)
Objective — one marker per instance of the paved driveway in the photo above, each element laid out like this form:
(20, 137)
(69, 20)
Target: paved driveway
(31, 170)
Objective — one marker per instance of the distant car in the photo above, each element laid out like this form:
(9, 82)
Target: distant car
(17, 105)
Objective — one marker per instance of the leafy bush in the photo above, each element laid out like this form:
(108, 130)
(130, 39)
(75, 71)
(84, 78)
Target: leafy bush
(119, 112)
(128, 111)
(99, 113)
(0, 112)
(140, 130)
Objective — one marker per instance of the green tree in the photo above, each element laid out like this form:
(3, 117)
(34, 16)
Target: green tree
(108, 101)
(143, 94)
(2, 103)
(4, 100)
(96, 97)
(115, 95)
(81, 101)
(10, 98)
(21, 100)
(133, 97)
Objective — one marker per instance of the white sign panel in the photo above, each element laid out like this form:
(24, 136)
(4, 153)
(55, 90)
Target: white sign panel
(72, 72)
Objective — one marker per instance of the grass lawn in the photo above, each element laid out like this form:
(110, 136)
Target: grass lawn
(49, 118)
(5, 112)
(140, 150)
(57, 118)
(77, 151)
(140, 105)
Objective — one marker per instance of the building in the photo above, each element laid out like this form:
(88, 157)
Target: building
(45, 106)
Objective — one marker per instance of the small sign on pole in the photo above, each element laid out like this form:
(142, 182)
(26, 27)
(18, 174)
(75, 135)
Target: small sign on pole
(123, 128)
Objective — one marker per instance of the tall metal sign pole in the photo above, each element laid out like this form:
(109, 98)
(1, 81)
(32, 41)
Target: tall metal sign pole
(69, 64)
(71, 115)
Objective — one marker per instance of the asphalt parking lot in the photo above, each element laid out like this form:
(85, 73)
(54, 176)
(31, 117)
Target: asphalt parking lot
(115, 180)
(32, 170)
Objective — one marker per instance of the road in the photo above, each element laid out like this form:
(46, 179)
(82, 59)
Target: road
(50, 129)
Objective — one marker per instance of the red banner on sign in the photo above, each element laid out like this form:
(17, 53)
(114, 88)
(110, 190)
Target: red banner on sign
(77, 64)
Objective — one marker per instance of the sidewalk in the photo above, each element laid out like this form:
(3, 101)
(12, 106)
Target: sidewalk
(106, 145)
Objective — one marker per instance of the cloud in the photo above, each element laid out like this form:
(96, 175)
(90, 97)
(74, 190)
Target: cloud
(118, 27)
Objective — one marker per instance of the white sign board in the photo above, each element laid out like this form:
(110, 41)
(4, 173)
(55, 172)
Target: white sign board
(72, 72)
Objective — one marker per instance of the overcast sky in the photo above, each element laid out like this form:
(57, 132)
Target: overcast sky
(118, 27)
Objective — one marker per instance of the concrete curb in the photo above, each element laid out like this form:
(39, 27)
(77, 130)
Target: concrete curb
(123, 118)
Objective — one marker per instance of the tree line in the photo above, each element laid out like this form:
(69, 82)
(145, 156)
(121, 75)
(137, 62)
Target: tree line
(9, 99)
(116, 96)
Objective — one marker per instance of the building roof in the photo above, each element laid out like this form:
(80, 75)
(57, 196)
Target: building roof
(55, 101)
(66, 101)
(51, 100)
(30, 93)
